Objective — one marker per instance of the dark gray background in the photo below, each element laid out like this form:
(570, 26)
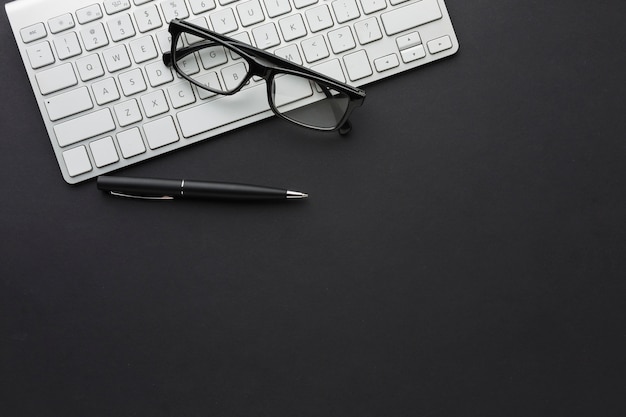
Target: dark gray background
(462, 252)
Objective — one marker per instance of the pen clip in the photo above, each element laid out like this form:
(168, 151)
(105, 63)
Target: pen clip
(141, 197)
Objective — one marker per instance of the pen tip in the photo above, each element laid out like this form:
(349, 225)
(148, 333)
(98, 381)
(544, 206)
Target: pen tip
(296, 194)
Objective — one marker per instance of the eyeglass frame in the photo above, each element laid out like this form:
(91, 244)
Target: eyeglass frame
(261, 64)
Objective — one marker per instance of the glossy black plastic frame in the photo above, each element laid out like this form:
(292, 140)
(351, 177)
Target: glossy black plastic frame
(262, 64)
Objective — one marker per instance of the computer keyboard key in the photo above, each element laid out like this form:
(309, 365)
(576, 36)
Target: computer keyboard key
(357, 65)
(223, 111)
(116, 58)
(121, 27)
(33, 33)
(56, 79)
(94, 37)
(67, 46)
(40, 55)
(104, 152)
(345, 10)
(154, 103)
(69, 103)
(77, 161)
(61, 23)
(413, 54)
(174, 9)
(148, 18)
(116, 6)
(181, 94)
(88, 14)
(200, 6)
(127, 113)
(84, 127)
(386, 63)
(105, 91)
(160, 132)
(277, 7)
(410, 16)
(368, 31)
(439, 45)
(130, 142)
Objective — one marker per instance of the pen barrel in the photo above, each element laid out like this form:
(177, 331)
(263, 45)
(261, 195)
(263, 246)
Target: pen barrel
(219, 190)
(139, 186)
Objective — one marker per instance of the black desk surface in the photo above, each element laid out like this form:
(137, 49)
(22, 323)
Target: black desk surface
(462, 252)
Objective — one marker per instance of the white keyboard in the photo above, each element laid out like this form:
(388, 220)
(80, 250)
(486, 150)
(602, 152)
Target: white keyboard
(108, 101)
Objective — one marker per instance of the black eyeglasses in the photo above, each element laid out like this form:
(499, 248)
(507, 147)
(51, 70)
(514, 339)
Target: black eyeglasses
(223, 65)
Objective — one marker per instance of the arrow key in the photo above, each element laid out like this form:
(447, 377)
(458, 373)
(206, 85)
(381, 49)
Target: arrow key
(386, 62)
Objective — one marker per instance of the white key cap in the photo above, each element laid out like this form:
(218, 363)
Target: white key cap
(132, 82)
(210, 80)
(89, 67)
(67, 104)
(265, 36)
(94, 37)
(290, 53)
(154, 103)
(250, 12)
(439, 45)
(40, 55)
(181, 94)
(77, 161)
(345, 10)
(371, 6)
(277, 7)
(131, 143)
(115, 6)
(223, 21)
(303, 3)
(128, 113)
(357, 65)
(61, 23)
(341, 40)
(148, 18)
(408, 41)
(84, 127)
(367, 30)
(143, 49)
(88, 14)
(164, 39)
(121, 27)
(290, 89)
(174, 9)
(213, 57)
(410, 16)
(105, 91)
(233, 75)
(158, 74)
(314, 48)
(319, 18)
(56, 79)
(67, 45)
(104, 152)
(160, 132)
(331, 68)
(292, 27)
(116, 58)
(413, 54)
(33, 32)
(200, 6)
(224, 110)
(386, 62)
(191, 39)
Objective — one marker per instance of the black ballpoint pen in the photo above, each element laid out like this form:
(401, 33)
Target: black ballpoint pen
(168, 189)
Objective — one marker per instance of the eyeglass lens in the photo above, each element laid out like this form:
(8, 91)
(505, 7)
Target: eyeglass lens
(297, 98)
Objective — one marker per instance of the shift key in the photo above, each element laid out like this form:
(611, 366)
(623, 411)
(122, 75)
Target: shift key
(84, 127)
